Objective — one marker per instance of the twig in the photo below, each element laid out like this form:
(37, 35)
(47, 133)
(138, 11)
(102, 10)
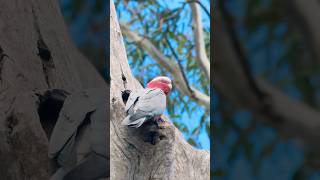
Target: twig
(180, 65)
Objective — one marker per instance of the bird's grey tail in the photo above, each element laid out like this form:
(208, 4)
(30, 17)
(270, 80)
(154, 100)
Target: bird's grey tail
(126, 121)
(135, 124)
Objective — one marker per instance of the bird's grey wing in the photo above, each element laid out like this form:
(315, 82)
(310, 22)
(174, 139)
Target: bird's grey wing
(137, 123)
(153, 102)
(135, 119)
(132, 100)
(74, 110)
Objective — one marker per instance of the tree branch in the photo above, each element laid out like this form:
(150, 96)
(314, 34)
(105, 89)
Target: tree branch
(179, 63)
(202, 57)
(170, 65)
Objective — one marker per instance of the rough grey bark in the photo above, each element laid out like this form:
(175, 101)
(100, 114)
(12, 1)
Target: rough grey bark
(36, 54)
(130, 156)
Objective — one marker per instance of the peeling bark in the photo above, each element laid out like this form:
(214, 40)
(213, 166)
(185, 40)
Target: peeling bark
(132, 156)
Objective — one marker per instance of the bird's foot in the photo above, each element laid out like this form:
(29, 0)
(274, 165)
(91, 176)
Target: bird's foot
(159, 121)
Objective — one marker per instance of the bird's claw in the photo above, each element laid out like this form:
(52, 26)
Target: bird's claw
(161, 120)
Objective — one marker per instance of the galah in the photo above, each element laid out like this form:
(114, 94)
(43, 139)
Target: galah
(147, 104)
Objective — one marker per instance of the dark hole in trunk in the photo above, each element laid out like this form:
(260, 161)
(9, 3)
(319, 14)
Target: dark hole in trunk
(151, 132)
(50, 104)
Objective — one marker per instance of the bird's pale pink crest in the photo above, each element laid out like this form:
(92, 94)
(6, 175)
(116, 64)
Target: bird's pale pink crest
(161, 82)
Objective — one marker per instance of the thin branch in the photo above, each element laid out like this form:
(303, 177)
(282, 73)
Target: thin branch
(169, 64)
(202, 57)
(179, 63)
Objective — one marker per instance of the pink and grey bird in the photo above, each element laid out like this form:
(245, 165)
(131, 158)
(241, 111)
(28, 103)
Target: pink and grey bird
(147, 104)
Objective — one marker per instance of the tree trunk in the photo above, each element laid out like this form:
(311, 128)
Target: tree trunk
(131, 155)
(36, 54)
